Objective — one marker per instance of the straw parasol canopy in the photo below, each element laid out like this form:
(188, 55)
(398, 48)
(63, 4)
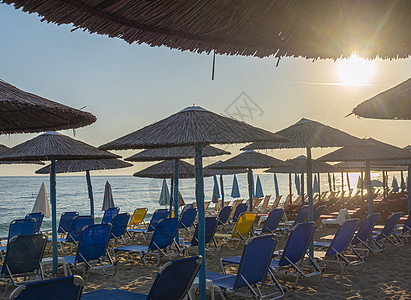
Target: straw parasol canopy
(23, 112)
(299, 165)
(4, 148)
(312, 29)
(394, 103)
(174, 153)
(71, 166)
(165, 169)
(228, 171)
(190, 126)
(54, 144)
(359, 166)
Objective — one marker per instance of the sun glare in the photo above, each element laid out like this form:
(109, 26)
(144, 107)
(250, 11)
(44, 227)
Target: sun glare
(355, 70)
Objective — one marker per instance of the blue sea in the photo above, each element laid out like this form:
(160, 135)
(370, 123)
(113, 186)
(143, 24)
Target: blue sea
(18, 194)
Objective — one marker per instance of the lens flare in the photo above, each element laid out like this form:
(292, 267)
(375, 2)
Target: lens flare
(355, 70)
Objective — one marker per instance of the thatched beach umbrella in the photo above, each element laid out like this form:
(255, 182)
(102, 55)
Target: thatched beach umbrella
(72, 166)
(370, 151)
(175, 153)
(394, 103)
(52, 146)
(5, 148)
(312, 29)
(251, 160)
(299, 165)
(193, 126)
(309, 134)
(222, 172)
(23, 112)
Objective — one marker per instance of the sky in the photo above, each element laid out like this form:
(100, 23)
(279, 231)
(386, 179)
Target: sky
(130, 86)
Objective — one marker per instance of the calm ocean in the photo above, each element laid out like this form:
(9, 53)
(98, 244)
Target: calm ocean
(18, 194)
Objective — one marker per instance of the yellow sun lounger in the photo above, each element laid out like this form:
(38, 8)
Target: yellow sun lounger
(241, 230)
(138, 217)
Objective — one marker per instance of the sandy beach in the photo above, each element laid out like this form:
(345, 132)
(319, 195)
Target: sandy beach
(383, 276)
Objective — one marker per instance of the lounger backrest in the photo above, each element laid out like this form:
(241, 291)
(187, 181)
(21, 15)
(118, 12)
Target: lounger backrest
(302, 215)
(389, 226)
(342, 216)
(242, 207)
(210, 228)
(65, 221)
(175, 279)
(38, 216)
(273, 220)
(224, 214)
(276, 202)
(93, 242)
(23, 254)
(188, 217)
(119, 223)
(77, 226)
(407, 224)
(164, 234)
(297, 243)
(343, 237)
(138, 216)
(318, 212)
(365, 229)
(187, 206)
(109, 214)
(255, 260)
(244, 224)
(21, 227)
(158, 215)
(63, 288)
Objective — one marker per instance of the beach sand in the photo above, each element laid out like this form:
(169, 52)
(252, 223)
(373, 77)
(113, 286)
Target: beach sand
(383, 276)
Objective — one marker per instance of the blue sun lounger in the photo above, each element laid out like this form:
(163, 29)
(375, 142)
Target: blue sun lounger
(252, 271)
(157, 216)
(92, 249)
(109, 214)
(404, 230)
(272, 222)
(210, 229)
(387, 234)
(224, 215)
(172, 282)
(19, 227)
(337, 247)
(359, 243)
(66, 219)
(119, 223)
(38, 216)
(74, 233)
(242, 207)
(187, 218)
(23, 257)
(300, 218)
(161, 241)
(63, 288)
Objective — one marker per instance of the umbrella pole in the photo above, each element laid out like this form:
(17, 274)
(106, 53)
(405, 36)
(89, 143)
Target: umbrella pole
(290, 184)
(222, 191)
(310, 194)
(369, 188)
(318, 186)
(348, 183)
(201, 217)
(402, 181)
(329, 182)
(342, 184)
(408, 189)
(302, 189)
(171, 195)
(277, 192)
(90, 193)
(362, 184)
(53, 212)
(250, 188)
(176, 165)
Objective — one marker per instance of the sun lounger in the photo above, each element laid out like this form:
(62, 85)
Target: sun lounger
(343, 215)
(224, 215)
(359, 243)
(172, 282)
(109, 214)
(187, 218)
(405, 230)
(38, 216)
(300, 218)
(387, 234)
(161, 241)
(63, 288)
(157, 216)
(66, 219)
(252, 271)
(22, 259)
(210, 229)
(138, 217)
(242, 207)
(272, 222)
(242, 229)
(264, 205)
(318, 212)
(18, 227)
(92, 249)
(74, 233)
(234, 206)
(119, 223)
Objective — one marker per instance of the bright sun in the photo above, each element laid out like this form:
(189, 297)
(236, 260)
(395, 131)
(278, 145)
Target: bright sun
(355, 70)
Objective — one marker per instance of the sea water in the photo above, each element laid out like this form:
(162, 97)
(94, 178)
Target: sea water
(18, 194)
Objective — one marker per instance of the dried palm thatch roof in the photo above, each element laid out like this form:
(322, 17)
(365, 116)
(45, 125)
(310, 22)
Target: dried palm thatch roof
(251, 160)
(394, 103)
(312, 29)
(211, 170)
(5, 148)
(53, 144)
(71, 166)
(165, 169)
(371, 150)
(299, 165)
(190, 126)
(174, 152)
(22, 112)
(307, 133)
(359, 166)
